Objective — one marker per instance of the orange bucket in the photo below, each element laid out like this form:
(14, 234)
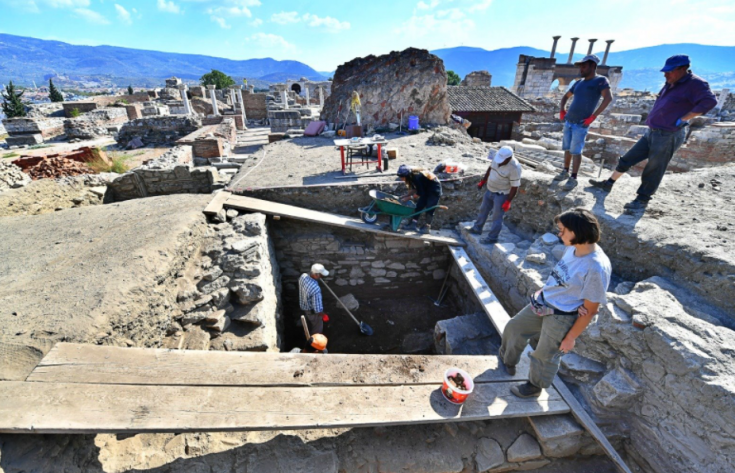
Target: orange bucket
(455, 394)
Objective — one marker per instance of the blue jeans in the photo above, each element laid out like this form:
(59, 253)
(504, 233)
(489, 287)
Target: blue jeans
(658, 147)
(491, 201)
(574, 135)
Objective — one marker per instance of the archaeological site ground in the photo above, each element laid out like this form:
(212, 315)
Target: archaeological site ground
(152, 246)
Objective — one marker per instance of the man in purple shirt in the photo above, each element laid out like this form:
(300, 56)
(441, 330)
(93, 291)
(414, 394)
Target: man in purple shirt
(683, 97)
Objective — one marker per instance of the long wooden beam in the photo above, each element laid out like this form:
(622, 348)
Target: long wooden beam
(67, 408)
(92, 364)
(298, 213)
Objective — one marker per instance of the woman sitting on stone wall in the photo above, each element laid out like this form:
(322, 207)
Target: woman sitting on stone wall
(424, 186)
(559, 312)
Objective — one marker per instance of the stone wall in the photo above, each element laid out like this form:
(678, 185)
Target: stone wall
(255, 106)
(283, 120)
(46, 127)
(96, 123)
(171, 173)
(231, 298)
(80, 107)
(478, 79)
(653, 367)
(154, 130)
(380, 266)
(534, 76)
(412, 81)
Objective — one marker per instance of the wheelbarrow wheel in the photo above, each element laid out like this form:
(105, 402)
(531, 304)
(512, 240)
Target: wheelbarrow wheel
(368, 217)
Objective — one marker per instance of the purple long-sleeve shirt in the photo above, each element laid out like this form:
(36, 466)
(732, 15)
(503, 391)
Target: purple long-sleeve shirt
(691, 93)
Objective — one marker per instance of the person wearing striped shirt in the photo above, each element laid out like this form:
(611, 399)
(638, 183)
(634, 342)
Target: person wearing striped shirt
(310, 297)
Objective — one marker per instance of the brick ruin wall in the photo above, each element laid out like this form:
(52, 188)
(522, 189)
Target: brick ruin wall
(478, 79)
(255, 106)
(45, 127)
(412, 81)
(171, 173)
(96, 123)
(153, 130)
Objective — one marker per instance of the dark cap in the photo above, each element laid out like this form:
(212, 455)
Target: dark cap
(676, 61)
(588, 58)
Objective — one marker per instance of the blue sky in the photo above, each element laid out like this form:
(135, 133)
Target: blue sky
(326, 33)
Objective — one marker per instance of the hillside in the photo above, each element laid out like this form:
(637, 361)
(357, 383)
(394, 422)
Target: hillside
(26, 59)
(641, 67)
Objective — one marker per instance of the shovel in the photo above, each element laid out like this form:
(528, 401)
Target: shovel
(364, 328)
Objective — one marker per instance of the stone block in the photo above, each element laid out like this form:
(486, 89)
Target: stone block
(525, 448)
(617, 390)
(24, 140)
(350, 302)
(489, 454)
(560, 436)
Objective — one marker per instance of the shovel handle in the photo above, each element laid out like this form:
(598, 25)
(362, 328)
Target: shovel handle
(340, 302)
(444, 207)
(306, 328)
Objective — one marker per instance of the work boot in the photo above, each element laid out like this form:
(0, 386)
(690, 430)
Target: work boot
(410, 226)
(511, 370)
(605, 185)
(564, 174)
(475, 231)
(637, 204)
(489, 241)
(570, 184)
(526, 390)
(425, 228)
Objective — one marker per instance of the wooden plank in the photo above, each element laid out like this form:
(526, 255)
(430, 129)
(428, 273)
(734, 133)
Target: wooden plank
(499, 318)
(583, 418)
(215, 205)
(104, 408)
(92, 364)
(489, 302)
(273, 208)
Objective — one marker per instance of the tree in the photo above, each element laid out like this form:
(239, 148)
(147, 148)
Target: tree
(217, 78)
(453, 78)
(53, 93)
(12, 106)
(130, 90)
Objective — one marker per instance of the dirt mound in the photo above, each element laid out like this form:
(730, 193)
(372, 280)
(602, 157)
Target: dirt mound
(449, 136)
(58, 167)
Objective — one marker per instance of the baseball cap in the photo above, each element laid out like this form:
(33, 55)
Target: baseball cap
(503, 153)
(403, 170)
(589, 57)
(319, 269)
(676, 61)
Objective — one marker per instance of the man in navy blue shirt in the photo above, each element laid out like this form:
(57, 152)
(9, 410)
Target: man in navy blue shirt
(582, 112)
(683, 97)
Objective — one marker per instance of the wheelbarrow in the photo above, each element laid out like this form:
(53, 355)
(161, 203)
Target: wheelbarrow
(391, 205)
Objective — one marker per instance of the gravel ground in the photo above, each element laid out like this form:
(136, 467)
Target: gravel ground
(314, 160)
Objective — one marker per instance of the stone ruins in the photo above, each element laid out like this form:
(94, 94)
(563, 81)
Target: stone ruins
(128, 224)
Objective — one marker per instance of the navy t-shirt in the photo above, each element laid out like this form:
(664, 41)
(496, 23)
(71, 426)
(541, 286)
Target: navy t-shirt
(587, 95)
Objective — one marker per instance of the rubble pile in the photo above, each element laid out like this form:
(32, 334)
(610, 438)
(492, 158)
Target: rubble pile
(11, 176)
(52, 168)
(449, 136)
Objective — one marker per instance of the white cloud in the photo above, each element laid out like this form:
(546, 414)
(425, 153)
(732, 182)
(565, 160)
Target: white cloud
(169, 6)
(91, 16)
(34, 6)
(464, 5)
(267, 40)
(123, 14)
(328, 22)
(284, 18)
(426, 25)
(221, 22)
(427, 6)
(256, 22)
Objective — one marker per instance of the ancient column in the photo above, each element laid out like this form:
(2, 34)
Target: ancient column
(592, 44)
(215, 111)
(721, 99)
(553, 48)
(232, 97)
(321, 97)
(308, 97)
(185, 98)
(607, 50)
(571, 53)
(284, 99)
(242, 109)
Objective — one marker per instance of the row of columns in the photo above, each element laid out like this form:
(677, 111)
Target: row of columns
(589, 50)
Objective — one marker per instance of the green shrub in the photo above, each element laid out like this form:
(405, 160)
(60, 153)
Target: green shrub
(74, 112)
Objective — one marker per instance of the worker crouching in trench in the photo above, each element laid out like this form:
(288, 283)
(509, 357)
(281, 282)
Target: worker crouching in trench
(424, 186)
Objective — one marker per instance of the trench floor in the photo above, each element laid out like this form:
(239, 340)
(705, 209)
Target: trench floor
(400, 325)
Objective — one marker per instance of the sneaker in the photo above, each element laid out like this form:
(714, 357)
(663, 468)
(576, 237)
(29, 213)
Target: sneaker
(489, 241)
(475, 231)
(425, 228)
(570, 184)
(636, 205)
(602, 185)
(410, 226)
(562, 175)
(526, 390)
(511, 370)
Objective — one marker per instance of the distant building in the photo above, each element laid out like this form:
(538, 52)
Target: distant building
(492, 110)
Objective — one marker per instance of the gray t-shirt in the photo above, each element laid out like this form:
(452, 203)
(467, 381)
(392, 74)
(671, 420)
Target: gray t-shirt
(576, 278)
(502, 178)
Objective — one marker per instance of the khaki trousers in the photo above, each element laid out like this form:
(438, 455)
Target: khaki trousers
(545, 335)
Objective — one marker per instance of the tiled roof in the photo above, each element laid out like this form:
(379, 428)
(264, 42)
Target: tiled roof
(486, 99)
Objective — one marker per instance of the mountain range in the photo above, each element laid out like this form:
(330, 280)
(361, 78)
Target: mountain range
(24, 60)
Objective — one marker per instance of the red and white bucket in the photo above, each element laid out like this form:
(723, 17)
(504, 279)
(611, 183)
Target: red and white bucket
(454, 394)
